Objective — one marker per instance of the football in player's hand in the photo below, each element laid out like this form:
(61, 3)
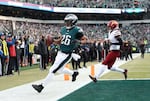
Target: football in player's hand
(49, 40)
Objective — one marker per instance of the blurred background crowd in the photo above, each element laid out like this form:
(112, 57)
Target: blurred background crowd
(92, 3)
(28, 36)
(24, 43)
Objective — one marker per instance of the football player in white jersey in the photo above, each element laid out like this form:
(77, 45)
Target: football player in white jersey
(115, 43)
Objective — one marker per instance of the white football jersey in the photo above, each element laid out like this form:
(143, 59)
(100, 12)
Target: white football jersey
(112, 39)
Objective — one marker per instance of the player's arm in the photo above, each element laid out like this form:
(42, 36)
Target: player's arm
(119, 39)
(81, 37)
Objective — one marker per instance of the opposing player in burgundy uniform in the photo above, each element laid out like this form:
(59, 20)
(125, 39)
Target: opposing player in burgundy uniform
(115, 43)
(70, 35)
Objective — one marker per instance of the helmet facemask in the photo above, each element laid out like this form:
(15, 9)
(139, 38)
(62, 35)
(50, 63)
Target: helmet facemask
(70, 20)
(68, 24)
(113, 24)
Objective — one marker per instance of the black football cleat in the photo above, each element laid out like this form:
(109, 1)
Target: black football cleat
(93, 78)
(38, 88)
(74, 76)
(125, 74)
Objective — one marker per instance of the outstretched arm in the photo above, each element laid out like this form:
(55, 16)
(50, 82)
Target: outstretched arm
(119, 39)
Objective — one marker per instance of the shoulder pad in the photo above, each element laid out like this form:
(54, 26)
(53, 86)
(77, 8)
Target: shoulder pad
(80, 30)
(116, 32)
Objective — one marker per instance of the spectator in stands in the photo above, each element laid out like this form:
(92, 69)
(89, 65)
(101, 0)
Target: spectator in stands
(22, 54)
(126, 49)
(106, 47)
(130, 50)
(2, 57)
(12, 54)
(18, 51)
(99, 51)
(43, 51)
(54, 48)
(142, 47)
(85, 56)
(5, 60)
(31, 52)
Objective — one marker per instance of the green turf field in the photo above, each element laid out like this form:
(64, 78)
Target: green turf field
(112, 90)
(137, 68)
(118, 90)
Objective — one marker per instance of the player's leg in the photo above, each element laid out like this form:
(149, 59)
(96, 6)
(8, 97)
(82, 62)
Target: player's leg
(64, 70)
(117, 69)
(115, 54)
(60, 60)
(107, 63)
(73, 73)
(102, 67)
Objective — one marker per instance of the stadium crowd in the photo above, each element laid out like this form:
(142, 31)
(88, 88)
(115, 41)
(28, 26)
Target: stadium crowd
(91, 3)
(21, 41)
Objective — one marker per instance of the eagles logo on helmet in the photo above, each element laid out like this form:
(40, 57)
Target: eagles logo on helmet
(70, 20)
(112, 24)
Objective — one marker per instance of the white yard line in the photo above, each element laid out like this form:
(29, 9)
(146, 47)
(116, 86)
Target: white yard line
(55, 90)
